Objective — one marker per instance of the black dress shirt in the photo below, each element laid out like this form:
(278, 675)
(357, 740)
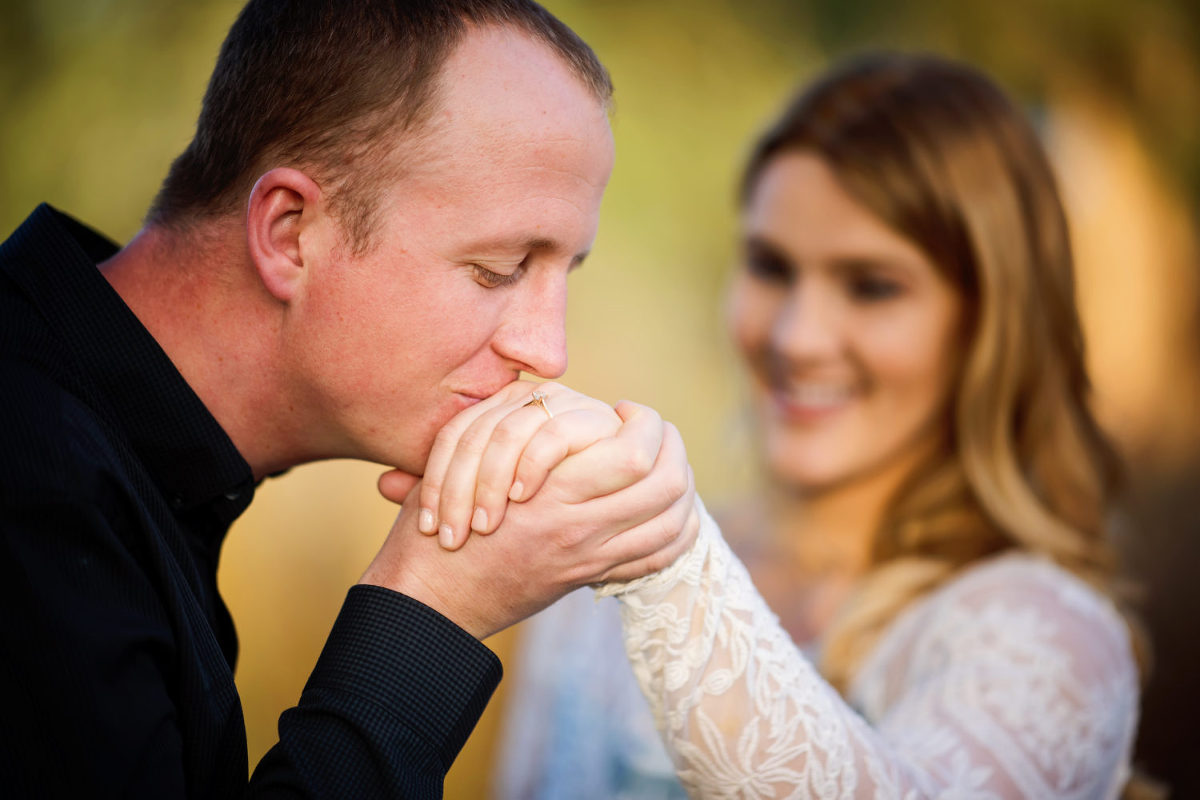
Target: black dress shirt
(117, 487)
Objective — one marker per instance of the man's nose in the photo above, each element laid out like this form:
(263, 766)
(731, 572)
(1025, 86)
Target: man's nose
(535, 336)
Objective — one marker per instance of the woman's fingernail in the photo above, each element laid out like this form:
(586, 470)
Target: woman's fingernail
(516, 491)
(425, 521)
(479, 520)
(446, 535)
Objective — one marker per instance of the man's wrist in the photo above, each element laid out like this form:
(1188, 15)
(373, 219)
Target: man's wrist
(446, 602)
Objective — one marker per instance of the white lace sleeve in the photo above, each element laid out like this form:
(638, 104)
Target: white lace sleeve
(1015, 680)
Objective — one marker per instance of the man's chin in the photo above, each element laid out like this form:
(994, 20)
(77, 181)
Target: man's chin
(406, 457)
(411, 455)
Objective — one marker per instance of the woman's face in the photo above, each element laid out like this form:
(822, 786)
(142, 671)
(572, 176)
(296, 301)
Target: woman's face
(849, 331)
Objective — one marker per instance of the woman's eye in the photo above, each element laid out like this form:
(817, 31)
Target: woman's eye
(768, 267)
(871, 288)
(491, 280)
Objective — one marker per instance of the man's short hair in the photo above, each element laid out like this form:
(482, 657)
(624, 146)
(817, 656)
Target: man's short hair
(322, 85)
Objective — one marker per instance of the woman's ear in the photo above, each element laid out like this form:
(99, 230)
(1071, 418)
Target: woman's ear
(282, 202)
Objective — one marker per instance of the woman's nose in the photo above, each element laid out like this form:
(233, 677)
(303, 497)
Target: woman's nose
(806, 325)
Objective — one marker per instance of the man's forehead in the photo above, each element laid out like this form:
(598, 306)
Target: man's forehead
(507, 107)
(500, 76)
(514, 156)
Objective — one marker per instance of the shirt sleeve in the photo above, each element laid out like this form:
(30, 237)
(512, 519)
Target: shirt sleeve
(394, 696)
(1015, 687)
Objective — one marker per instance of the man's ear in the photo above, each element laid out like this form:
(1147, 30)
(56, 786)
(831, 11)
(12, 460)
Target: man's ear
(282, 203)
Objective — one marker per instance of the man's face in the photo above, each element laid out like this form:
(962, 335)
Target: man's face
(464, 285)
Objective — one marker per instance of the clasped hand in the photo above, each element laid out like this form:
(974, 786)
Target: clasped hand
(536, 506)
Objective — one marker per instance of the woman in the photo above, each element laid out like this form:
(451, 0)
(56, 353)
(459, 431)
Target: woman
(906, 308)
(937, 540)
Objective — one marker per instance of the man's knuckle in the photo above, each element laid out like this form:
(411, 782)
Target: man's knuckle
(638, 462)
(659, 561)
(668, 532)
(676, 484)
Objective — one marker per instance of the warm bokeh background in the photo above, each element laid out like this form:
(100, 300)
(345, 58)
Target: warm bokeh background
(98, 97)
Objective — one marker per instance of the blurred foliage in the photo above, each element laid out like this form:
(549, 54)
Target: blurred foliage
(127, 74)
(1143, 55)
(100, 95)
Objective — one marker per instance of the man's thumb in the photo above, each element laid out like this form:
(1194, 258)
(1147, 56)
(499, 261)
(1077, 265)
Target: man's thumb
(396, 484)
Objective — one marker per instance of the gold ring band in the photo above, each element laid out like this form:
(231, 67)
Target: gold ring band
(539, 399)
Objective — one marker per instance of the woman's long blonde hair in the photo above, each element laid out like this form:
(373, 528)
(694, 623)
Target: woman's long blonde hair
(937, 151)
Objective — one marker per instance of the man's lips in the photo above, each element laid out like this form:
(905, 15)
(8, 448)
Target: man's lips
(468, 398)
(476, 393)
(463, 401)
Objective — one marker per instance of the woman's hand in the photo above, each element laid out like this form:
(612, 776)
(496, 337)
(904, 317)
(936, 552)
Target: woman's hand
(502, 449)
(619, 505)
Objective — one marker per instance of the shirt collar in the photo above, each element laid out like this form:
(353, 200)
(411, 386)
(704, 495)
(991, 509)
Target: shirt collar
(126, 376)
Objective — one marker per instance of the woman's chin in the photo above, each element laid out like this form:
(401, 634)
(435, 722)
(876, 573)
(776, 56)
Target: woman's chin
(803, 476)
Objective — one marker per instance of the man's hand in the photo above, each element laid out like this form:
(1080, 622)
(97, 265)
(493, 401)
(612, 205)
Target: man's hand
(606, 495)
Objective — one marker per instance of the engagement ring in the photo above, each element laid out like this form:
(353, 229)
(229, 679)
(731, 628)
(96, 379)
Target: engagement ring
(539, 399)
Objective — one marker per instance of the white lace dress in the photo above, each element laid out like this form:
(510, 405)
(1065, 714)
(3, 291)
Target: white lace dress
(1015, 679)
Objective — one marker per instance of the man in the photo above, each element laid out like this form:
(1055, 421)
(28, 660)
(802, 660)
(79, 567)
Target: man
(370, 233)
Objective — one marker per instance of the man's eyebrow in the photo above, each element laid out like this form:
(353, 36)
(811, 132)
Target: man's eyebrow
(535, 244)
(530, 245)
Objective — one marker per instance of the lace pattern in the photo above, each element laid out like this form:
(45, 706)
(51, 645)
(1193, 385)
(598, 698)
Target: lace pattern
(1013, 680)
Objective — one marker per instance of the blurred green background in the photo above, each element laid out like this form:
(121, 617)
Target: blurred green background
(99, 96)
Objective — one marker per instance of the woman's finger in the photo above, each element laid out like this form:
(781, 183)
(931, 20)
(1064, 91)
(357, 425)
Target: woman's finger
(503, 430)
(498, 438)
(569, 432)
(445, 445)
